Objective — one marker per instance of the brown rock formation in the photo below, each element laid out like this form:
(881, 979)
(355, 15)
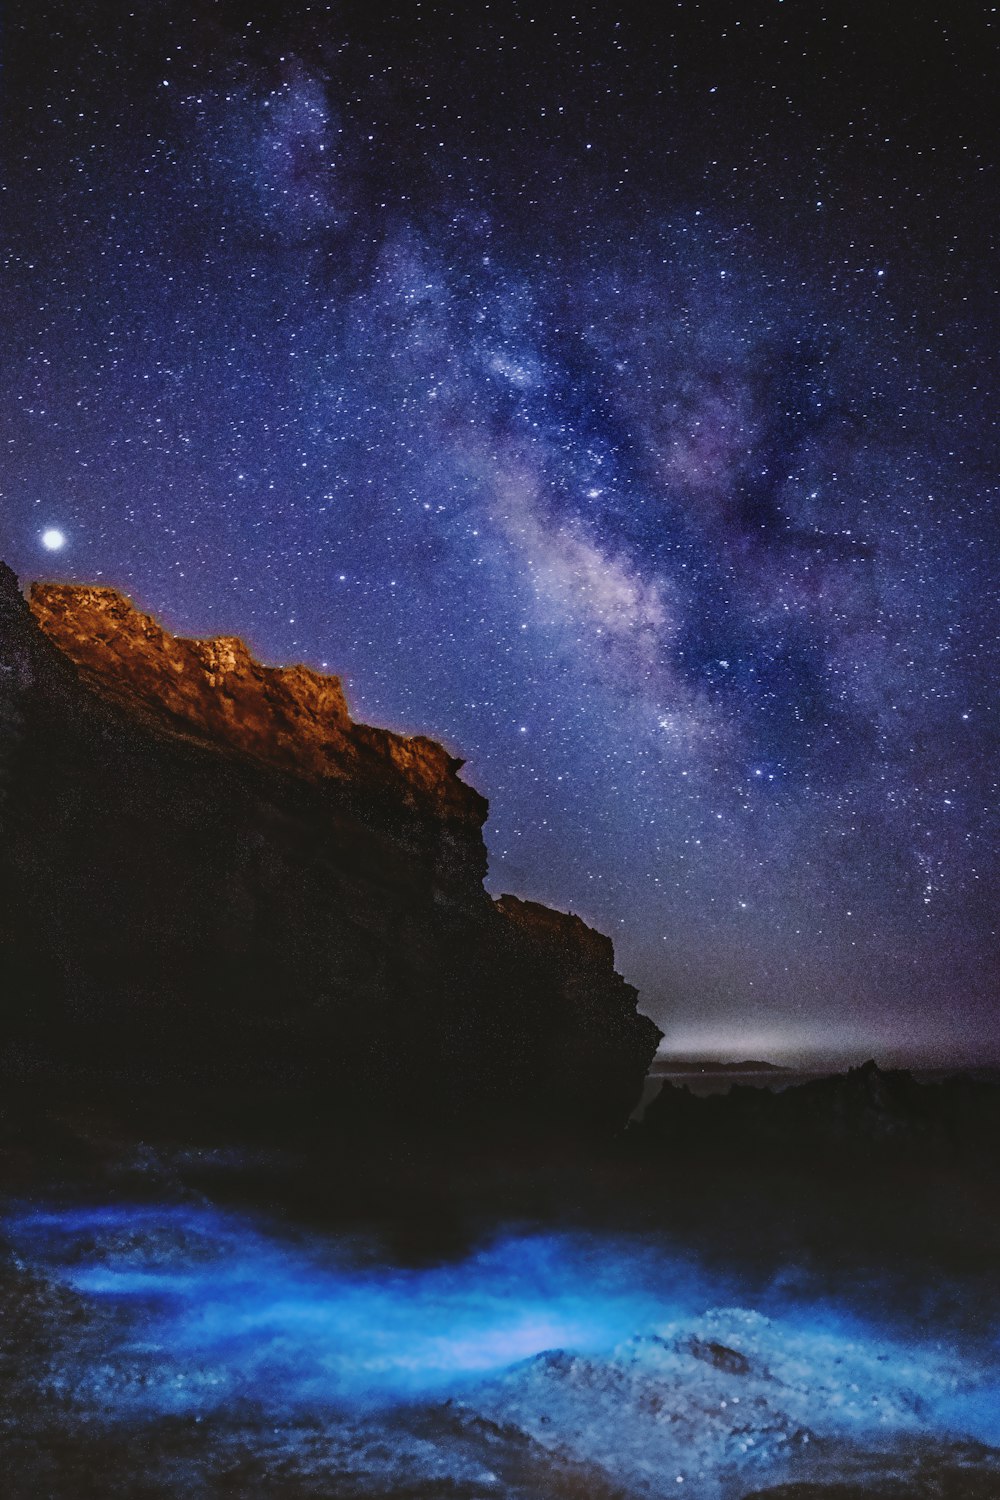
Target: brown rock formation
(289, 717)
(212, 878)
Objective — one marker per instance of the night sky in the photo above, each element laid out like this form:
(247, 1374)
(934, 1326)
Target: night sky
(613, 399)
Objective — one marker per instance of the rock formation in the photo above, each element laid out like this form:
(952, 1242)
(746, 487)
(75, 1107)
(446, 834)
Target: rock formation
(212, 879)
(855, 1120)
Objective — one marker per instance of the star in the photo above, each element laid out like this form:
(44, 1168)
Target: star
(642, 505)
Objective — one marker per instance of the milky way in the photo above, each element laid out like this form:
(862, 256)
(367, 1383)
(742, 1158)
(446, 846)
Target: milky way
(612, 400)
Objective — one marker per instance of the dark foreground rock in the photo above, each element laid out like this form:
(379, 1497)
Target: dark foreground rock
(215, 886)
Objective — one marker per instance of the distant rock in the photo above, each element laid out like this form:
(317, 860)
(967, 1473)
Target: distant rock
(213, 879)
(827, 1120)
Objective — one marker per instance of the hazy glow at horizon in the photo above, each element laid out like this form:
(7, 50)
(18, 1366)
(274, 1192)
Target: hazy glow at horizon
(803, 1045)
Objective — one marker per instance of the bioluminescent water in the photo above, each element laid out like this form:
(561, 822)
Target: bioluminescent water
(212, 1308)
(310, 1318)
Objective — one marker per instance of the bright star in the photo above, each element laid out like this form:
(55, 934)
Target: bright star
(53, 539)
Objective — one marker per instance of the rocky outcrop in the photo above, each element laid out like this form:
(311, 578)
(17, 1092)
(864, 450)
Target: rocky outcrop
(213, 878)
(288, 717)
(864, 1116)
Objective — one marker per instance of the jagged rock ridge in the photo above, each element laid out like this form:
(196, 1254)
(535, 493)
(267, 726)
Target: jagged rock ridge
(212, 877)
(289, 717)
(847, 1119)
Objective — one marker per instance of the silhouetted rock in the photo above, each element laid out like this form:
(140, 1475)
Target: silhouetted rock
(212, 877)
(864, 1113)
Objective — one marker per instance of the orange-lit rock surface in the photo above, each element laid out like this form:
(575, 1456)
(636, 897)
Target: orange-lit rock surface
(290, 717)
(212, 878)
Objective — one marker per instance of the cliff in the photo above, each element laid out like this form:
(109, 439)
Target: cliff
(213, 880)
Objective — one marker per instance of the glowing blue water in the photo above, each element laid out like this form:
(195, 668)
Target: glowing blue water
(213, 1308)
(208, 1289)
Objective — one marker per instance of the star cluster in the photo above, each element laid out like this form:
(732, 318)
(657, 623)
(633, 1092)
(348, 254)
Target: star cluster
(612, 398)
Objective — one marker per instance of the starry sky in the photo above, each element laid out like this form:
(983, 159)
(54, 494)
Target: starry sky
(611, 396)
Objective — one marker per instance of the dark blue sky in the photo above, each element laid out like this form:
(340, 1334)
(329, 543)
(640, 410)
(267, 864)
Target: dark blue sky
(613, 399)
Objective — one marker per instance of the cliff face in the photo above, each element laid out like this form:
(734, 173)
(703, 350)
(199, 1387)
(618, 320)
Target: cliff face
(288, 717)
(212, 878)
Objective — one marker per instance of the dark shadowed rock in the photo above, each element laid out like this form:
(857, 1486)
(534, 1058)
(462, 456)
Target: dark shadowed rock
(865, 1115)
(212, 877)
